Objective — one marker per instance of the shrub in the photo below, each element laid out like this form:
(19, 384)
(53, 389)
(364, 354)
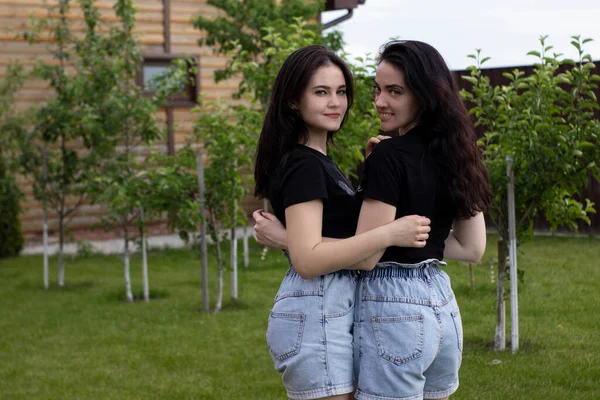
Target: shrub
(11, 233)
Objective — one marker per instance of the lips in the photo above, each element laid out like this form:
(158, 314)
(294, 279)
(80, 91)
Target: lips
(333, 116)
(385, 116)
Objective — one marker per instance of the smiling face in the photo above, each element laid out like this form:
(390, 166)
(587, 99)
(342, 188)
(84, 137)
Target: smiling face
(324, 103)
(397, 105)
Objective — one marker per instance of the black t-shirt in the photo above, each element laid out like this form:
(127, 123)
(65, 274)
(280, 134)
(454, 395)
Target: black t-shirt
(306, 174)
(400, 172)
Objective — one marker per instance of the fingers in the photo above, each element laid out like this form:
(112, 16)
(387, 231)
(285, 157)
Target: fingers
(422, 236)
(258, 215)
(423, 220)
(269, 216)
(419, 231)
(377, 139)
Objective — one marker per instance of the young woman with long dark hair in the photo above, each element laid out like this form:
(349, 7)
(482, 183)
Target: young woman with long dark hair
(310, 326)
(408, 330)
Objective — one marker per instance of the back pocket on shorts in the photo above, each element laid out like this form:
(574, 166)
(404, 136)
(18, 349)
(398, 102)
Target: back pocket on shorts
(459, 329)
(399, 339)
(284, 334)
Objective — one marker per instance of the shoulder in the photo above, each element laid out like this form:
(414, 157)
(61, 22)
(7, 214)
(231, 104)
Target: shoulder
(390, 151)
(302, 166)
(300, 158)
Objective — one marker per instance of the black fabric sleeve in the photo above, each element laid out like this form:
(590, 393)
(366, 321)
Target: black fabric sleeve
(303, 180)
(383, 176)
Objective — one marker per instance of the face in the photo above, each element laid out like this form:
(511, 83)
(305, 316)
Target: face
(324, 103)
(397, 105)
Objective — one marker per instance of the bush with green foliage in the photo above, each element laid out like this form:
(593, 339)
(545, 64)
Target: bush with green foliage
(11, 233)
(11, 126)
(545, 121)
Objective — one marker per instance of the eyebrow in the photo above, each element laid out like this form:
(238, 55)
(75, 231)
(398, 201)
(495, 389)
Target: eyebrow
(326, 87)
(392, 86)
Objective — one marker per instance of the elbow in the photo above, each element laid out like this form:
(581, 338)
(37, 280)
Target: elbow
(367, 266)
(303, 269)
(305, 273)
(476, 254)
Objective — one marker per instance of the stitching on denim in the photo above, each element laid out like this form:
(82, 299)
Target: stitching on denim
(298, 293)
(341, 314)
(458, 328)
(421, 302)
(296, 349)
(388, 355)
(329, 390)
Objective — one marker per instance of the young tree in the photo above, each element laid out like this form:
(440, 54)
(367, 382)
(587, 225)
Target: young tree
(167, 184)
(227, 147)
(545, 122)
(130, 117)
(67, 141)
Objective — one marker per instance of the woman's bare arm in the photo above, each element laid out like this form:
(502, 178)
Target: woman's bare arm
(467, 240)
(312, 256)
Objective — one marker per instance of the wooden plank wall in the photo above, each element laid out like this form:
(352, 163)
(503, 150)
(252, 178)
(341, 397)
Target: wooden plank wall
(14, 20)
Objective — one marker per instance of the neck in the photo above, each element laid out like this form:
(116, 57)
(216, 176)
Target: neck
(403, 130)
(318, 141)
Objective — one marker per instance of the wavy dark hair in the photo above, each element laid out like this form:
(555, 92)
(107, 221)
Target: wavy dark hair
(283, 126)
(452, 137)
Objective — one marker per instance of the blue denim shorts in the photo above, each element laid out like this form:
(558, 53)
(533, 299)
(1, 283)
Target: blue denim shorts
(407, 333)
(310, 334)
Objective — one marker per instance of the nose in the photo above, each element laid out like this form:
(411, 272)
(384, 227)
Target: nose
(380, 101)
(334, 101)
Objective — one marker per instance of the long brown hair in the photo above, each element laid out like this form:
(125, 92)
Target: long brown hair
(453, 141)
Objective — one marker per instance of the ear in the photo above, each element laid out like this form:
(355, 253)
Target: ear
(293, 106)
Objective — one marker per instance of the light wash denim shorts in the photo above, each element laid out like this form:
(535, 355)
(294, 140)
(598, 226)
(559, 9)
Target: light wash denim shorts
(310, 334)
(407, 333)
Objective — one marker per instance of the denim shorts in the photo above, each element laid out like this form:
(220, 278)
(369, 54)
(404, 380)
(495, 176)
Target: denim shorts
(310, 334)
(407, 333)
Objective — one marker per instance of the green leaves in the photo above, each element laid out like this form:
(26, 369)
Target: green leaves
(246, 33)
(544, 122)
(229, 135)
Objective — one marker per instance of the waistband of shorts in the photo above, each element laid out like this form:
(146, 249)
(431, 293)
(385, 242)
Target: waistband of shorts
(389, 269)
(342, 272)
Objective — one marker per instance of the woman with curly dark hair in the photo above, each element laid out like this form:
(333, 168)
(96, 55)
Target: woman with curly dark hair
(408, 330)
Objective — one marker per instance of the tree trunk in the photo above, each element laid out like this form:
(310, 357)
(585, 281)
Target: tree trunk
(472, 276)
(500, 337)
(128, 293)
(219, 303)
(246, 248)
(144, 259)
(233, 254)
(45, 218)
(61, 254)
(203, 251)
(45, 241)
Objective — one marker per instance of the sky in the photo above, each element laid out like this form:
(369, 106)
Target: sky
(505, 30)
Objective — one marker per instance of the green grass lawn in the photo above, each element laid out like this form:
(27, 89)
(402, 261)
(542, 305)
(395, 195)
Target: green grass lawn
(82, 342)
